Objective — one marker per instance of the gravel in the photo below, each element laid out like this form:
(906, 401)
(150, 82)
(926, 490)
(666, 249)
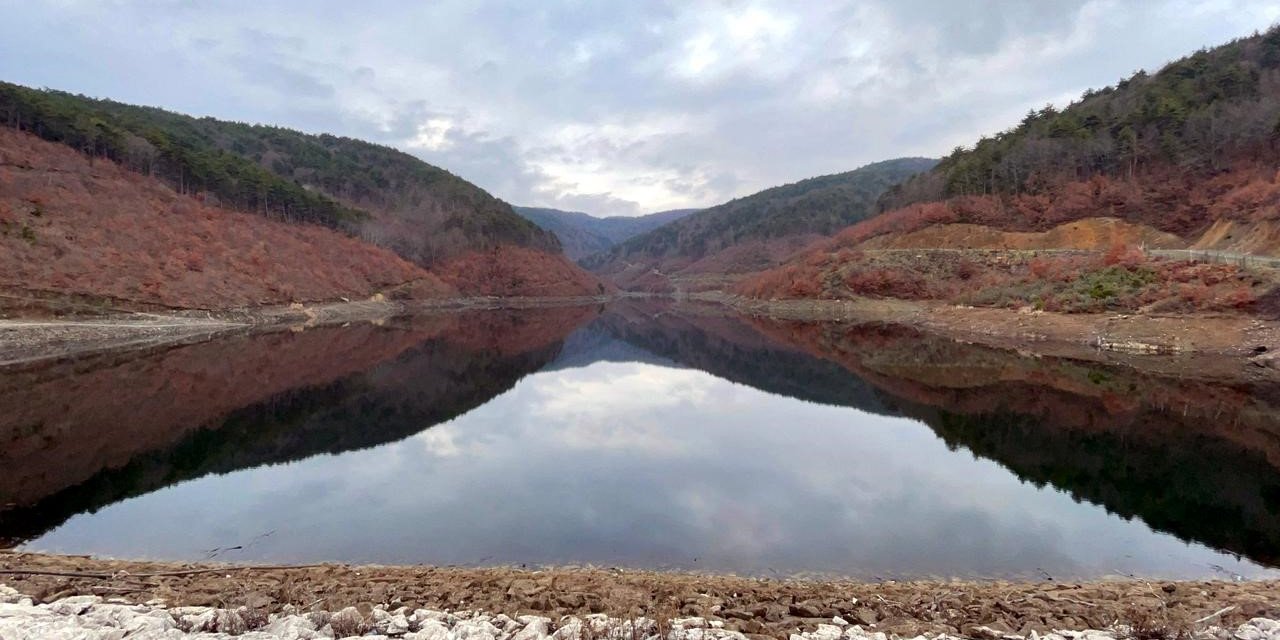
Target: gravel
(88, 617)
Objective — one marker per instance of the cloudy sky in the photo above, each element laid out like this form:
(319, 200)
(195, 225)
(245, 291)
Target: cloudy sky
(615, 108)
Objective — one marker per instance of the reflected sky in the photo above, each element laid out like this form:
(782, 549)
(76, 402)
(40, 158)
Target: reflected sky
(642, 465)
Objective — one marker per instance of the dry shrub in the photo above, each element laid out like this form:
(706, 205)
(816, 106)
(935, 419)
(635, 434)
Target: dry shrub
(1125, 255)
(1155, 623)
(1122, 279)
(348, 622)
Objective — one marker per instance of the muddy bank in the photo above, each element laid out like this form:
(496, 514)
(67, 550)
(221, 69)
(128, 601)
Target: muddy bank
(1206, 345)
(28, 340)
(774, 607)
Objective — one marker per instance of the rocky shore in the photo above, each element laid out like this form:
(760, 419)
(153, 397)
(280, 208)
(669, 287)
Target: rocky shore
(517, 602)
(91, 617)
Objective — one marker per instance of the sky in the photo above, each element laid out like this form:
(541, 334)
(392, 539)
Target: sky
(615, 108)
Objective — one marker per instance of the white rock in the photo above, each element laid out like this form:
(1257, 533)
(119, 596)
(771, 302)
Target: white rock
(74, 605)
(1258, 629)
(827, 632)
(158, 621)
(840, 621)
(206, 621)
(292, 628)
(430, 630)
(695, 622)
(535, 628)
(13, 610)
(475, 629)
(397, 625)
(570, 629)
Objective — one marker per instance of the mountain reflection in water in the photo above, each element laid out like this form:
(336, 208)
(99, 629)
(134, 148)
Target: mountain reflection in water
(642, 434)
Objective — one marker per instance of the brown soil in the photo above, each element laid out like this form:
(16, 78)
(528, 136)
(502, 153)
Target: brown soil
(1097, 234)
(1202, 339)
(1257, 238)
(772, 607)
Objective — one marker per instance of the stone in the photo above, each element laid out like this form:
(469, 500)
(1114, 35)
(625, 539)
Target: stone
(396, 625)
(866, 616)
(827, 632)
(419, 615)
(430, 630)
(291, 628)
(74, 605)
(475, 630)
(692, 622)
(155, 622)
(806, 610)
(197, 622)
(570, 629)
(13, 610)
(535, 628)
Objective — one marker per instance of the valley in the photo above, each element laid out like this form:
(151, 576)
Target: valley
(280, 359)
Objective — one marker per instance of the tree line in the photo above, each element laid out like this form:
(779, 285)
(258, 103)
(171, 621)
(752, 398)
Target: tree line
(1200, 113)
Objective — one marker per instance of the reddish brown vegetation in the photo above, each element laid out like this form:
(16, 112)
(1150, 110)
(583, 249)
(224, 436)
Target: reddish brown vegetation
(75, 226)
(1170, 200)
(1121, 279)
(509, 270)
(144, 403)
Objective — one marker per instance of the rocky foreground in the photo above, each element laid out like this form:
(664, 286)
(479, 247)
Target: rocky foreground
(62, 594)
(92, 618)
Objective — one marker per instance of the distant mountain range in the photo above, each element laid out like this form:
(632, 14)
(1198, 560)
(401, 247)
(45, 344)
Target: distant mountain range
(583, 234)
(753, 232)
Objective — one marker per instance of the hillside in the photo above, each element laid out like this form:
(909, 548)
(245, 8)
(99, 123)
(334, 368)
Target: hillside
(1184, 157)
(754, 232)
(380, 195)
(76, 232)
(581, 234)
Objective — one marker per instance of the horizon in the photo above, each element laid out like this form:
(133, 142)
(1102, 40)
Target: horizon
(670, 107)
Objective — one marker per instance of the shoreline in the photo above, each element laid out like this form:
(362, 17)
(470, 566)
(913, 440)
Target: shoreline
(1207, 347)
(766, 606)
(27, 341)
(1204, 347)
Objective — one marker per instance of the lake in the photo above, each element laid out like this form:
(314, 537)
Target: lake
(647, 435)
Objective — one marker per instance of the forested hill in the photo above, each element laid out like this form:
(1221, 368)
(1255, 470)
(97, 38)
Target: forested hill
(1198, 115)
(815, 206)
(388, 197)
(582, 234)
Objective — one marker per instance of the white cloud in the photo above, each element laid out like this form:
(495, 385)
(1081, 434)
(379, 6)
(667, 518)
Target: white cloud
(617, 108)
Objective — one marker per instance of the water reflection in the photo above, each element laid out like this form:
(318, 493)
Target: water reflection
(649, 436)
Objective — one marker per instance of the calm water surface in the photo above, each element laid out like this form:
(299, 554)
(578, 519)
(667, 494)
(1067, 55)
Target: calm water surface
(640, 437)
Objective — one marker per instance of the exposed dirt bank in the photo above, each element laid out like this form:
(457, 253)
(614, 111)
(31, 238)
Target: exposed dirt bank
(23, 340)
(1207, 345)
(1204, 345)
(758, 606)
